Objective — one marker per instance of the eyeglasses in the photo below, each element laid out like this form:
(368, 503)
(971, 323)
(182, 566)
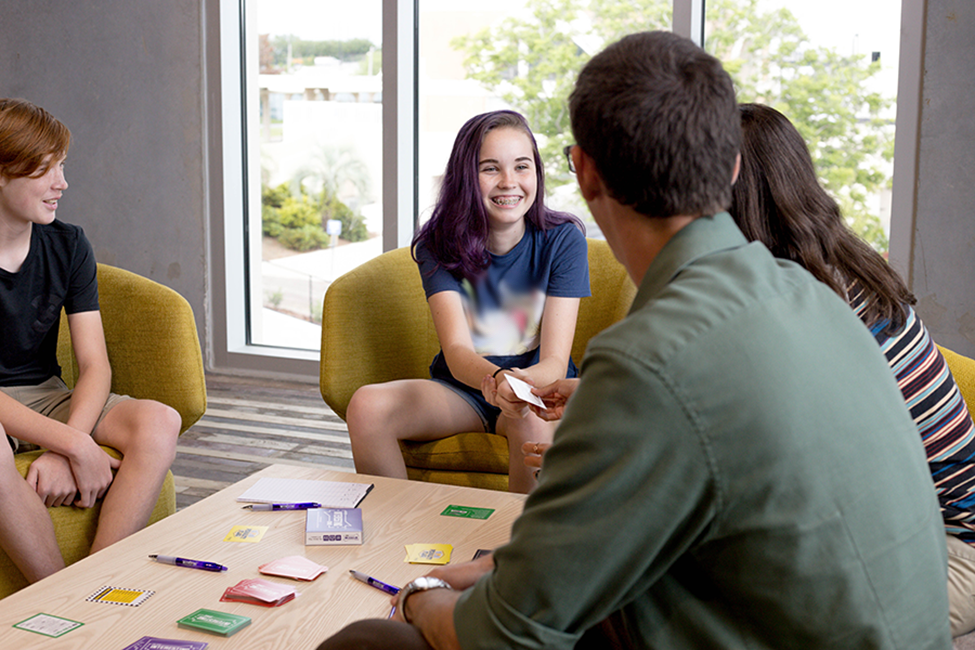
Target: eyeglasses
(568, 156)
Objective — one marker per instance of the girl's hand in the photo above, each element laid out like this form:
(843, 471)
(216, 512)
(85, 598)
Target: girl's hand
(498, 393)
(555, 396)
(534, 451)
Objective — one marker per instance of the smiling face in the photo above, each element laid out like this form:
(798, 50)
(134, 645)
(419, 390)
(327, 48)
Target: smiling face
(507, 176)
(33, 199)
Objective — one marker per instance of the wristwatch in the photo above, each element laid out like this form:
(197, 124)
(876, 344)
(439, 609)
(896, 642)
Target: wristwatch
(423, 583)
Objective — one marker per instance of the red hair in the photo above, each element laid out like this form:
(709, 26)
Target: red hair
(28, 135)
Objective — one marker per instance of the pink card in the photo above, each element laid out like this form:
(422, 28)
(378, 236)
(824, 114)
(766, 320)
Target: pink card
(259, 592)
(293, 566)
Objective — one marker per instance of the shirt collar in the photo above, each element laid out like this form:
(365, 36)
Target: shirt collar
(699, 238)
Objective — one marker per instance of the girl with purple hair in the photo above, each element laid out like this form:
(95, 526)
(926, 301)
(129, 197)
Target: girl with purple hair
(503, 276)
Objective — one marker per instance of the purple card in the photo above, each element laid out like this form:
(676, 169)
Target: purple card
(152, 643)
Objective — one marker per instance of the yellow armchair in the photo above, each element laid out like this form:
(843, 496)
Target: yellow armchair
(376, 327)
(963, 370)
(155, 354)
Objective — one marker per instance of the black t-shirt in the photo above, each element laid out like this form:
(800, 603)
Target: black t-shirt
(59, 271)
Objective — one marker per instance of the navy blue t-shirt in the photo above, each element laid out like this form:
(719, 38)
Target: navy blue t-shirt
(504, 308)
(59, 271)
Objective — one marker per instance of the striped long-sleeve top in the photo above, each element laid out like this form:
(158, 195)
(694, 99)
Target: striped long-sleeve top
(940, 413)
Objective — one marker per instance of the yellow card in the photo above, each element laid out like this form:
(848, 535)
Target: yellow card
(246, 534)
(428, 553)
(116, 596)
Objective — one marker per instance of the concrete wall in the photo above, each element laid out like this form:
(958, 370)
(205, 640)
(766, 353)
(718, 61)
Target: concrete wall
(126, 76)
(942, 272)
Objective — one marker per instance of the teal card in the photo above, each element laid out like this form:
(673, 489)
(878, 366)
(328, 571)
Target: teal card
(467, 512)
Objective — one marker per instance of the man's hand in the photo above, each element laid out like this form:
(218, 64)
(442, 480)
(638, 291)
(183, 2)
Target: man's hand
(50, 476)
(555, 396)
(463, 576)
(533, 453)
(92, 469)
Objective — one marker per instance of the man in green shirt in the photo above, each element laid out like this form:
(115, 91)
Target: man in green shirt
(736, 468)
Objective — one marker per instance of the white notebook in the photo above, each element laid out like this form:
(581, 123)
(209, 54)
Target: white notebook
(330, 494)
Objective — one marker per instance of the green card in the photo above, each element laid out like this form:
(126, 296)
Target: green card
(208, 620)
(467, 512)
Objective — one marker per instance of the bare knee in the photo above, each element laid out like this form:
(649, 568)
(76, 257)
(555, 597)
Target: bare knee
(152, 429)
(371, 411)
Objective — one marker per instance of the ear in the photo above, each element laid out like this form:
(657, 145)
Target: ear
(734, 174)
(590, 181)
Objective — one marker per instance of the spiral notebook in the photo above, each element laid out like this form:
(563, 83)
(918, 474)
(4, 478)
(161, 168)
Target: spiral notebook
(330, 494)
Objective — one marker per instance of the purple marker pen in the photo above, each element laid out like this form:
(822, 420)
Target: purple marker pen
(282, 506)
(372, 582)
(192, 564)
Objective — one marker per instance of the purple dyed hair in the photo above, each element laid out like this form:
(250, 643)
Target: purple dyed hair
(457, 232)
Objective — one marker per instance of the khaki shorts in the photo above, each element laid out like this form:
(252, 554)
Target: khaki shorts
(51, 398)
(961, 586)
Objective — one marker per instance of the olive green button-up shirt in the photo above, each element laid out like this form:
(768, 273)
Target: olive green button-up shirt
(737, 469)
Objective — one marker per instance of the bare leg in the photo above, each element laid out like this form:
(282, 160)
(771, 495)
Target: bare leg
(518, 431)
(380, 415)
(26, 531)
(146, 433)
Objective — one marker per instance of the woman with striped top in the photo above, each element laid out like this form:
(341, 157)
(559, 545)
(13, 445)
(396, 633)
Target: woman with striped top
(778, 201)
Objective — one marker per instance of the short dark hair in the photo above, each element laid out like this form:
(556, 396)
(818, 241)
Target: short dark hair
(657, 114)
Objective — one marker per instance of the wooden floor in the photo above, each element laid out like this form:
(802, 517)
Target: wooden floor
(250, 424)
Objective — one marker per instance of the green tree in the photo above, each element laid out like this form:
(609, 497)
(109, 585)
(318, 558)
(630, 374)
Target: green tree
(331, 172)
(532, 63)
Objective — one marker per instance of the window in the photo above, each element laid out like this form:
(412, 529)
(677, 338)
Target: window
(451, 68)
(836, 80)
(516, 54)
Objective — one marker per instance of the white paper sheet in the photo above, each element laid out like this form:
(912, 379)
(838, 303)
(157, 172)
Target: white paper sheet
(330, 494)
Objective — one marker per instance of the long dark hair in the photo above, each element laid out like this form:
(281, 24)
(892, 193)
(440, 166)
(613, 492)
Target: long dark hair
(778, 201)
(457, 232)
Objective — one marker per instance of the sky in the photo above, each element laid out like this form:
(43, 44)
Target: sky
(861, 26)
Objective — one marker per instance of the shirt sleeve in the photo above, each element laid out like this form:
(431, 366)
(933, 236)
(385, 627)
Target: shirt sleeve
(435, 278)
(83, 282)
(570, 265)
(625, 491)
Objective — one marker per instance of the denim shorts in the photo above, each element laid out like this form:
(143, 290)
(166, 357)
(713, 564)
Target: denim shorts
(51, 398)
(487, 412)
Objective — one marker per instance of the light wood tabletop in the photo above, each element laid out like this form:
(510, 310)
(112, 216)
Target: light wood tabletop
(395, 513)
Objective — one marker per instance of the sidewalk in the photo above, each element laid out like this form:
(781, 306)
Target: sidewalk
(301, 281)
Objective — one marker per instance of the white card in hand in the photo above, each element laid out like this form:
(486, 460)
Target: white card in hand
(524, 391)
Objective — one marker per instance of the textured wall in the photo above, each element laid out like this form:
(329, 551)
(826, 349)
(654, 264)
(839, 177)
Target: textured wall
(126, 77)
(943, 255)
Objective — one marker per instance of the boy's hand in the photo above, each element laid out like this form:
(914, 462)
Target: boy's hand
(50, 476)
(92, 469)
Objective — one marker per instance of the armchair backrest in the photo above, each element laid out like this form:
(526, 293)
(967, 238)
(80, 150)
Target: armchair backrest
(376, 325)
(153, 346)
(963, 370)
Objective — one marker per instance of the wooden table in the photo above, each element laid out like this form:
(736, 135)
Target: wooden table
(394, 514)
